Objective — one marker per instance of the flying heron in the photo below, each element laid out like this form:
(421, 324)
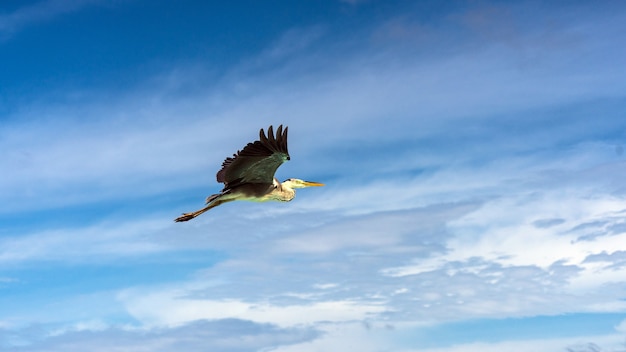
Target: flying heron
(249, 174)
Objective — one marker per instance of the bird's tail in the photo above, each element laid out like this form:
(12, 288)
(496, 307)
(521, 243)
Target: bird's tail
(211, 202)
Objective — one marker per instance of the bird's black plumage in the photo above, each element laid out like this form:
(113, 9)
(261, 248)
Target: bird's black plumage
(249, 174)
(257, 162)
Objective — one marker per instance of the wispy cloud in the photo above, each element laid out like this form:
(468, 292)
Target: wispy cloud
(88, 243)
(177, 307)
(42, 11)
(477, 183)
(611, 343)
(230, 335)
(412, 99)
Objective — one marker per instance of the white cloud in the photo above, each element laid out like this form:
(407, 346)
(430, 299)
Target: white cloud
(376, 232)
(173, 307)
(345, 337)
(494, 226)
(8, 280)
(41, 11)
(612, 343)
(223, 335)
(506, 261)
(87, 243)
(503, 231)
(161, 139)
(401, 338)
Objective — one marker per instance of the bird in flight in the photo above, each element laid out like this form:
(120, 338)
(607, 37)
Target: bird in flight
(249, 174)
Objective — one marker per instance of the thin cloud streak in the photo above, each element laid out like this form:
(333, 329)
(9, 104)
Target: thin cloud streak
(230, 335)
(42, 11)
(68, 158)
(476, 200)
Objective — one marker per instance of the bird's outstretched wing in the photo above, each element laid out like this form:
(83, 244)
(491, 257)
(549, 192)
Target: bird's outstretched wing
(256, 162)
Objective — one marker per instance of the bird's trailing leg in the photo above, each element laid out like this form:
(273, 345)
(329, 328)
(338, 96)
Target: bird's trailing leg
(213, 201)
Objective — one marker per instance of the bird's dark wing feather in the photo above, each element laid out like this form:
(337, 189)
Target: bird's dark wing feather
(256, 162)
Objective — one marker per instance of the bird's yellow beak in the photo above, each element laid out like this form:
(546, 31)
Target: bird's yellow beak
(312, 184)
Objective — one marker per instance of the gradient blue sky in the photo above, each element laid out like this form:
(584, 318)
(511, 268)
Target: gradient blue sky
(473, 153)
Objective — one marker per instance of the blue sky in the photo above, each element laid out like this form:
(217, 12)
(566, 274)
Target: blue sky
(473, 153)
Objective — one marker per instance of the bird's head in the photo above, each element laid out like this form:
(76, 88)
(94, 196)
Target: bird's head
(298, 183)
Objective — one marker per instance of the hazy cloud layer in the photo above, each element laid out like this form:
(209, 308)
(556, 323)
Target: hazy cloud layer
(473, 171)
